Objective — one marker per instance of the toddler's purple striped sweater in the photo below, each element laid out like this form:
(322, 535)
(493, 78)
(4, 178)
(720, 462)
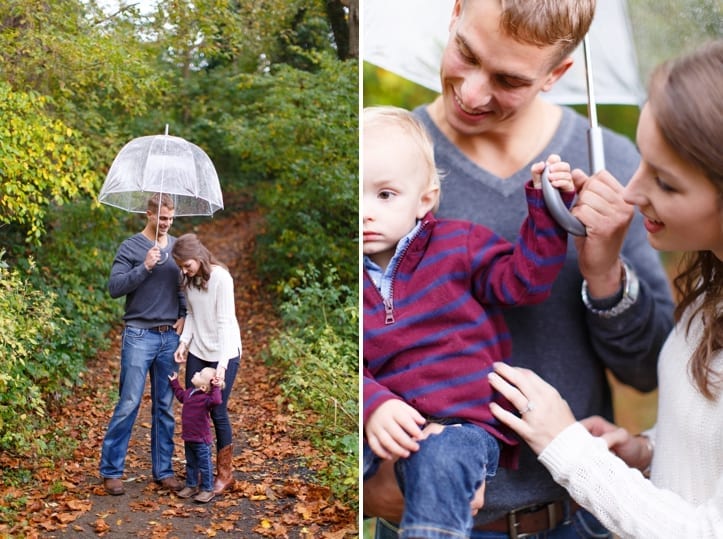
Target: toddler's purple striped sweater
(433, 343)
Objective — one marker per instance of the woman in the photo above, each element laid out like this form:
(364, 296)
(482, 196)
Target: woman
(210, 338)
(679, 190)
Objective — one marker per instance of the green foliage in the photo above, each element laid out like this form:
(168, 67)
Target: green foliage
(299, 131)
(28, 321)
(41, 162)
(320, 351)
(663, 29)
(382, 87)
(55, 313)
(75, 263)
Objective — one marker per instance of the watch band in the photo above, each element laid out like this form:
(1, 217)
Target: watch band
(631, 290)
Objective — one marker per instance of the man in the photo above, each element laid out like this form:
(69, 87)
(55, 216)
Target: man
(488, 125)
(155, 308)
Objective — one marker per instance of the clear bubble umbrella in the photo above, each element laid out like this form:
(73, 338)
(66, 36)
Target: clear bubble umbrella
(166, 165)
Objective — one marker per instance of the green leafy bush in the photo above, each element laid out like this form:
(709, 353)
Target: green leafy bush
(41, 162)
(55, 312)
(296, 136)
(28, 321)
(319, 350)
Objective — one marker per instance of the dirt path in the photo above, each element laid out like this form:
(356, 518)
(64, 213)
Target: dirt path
(274, 494)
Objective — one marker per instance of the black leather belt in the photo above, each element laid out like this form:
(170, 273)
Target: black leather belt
(532, 520)
(523, 522)
(161, 329)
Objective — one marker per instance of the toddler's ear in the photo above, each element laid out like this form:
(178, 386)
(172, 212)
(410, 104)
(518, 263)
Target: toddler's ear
(428, 201)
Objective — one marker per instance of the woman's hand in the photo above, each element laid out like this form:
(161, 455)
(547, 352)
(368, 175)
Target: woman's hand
(543, 412)
(181, 353)
(220, 378)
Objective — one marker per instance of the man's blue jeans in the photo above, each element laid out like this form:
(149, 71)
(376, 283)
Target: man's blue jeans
(440, 479)
(198, 463)
(143, 351)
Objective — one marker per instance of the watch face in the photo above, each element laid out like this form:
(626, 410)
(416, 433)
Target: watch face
(630, 295)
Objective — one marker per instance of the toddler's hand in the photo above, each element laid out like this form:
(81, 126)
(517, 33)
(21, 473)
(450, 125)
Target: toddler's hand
(173, 376)
(558, 172)
(393, 430)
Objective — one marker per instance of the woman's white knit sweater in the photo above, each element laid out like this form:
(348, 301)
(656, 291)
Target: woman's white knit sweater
(684, 497)
(211, 327)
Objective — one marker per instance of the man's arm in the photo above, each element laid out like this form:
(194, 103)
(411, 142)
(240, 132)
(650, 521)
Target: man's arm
(128, 271)
(629, 309)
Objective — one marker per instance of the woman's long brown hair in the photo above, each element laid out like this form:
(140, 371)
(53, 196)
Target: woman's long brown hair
(189, 247)
(686, 98)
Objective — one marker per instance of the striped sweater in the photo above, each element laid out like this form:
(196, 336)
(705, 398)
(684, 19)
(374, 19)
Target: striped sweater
(432, 344)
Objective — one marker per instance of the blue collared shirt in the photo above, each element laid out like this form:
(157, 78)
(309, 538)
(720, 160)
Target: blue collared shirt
(382, 279)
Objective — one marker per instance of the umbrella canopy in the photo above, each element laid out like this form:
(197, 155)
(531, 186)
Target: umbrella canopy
(407, 37)
(162, 164)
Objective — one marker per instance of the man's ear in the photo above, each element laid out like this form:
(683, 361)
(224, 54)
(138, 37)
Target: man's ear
(428, 201)
(456, 12)
(558, 71)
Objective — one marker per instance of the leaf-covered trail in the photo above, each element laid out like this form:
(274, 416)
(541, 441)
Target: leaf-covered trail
(274, 494)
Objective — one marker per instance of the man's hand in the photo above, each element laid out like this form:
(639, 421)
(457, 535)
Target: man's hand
(633, 450)
(178, 326)
(607, 217)
(393, 429)
(152, 257)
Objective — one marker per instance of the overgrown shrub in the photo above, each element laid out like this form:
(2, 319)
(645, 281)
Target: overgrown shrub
(29, 320)
(55, 312)
(300, 132)
(319, 350)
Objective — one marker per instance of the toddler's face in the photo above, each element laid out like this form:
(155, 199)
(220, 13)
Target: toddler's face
(200, 379)
(395, 178)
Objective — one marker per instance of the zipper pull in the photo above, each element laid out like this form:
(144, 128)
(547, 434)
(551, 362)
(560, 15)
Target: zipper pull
(389, 310)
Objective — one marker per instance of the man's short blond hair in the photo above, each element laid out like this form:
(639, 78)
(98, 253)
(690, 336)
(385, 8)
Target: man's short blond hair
(166, 201)
(562, 23)
(410, 125)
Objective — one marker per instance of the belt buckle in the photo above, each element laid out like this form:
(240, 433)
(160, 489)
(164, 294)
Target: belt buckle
(513, 523)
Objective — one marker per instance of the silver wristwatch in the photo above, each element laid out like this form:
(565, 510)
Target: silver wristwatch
(631, 289)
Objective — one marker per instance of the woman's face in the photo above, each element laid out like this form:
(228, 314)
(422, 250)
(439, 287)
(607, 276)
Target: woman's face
(680, 205)
(190, 267)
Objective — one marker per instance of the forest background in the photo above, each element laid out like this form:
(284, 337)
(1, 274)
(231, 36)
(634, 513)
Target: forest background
(270, 91)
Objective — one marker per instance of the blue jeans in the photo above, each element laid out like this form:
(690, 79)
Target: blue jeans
(219, 414)
(582, 525)
(198, 462)
(440, 479)
(143, 351)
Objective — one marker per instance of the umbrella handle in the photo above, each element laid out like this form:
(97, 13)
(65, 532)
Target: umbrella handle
(553, 200)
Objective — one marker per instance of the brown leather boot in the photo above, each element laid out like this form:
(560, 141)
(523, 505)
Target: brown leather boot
(224, 464)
